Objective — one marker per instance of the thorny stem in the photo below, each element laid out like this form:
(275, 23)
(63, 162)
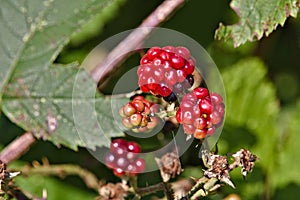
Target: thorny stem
(196, 187)
(134, 40)
(166, 187)
(202, 188)
(17, 148)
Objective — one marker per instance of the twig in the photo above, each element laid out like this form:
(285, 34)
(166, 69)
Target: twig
(17, 148)
(198, 186)
(63, 170)
(159, 15)
(150, 189)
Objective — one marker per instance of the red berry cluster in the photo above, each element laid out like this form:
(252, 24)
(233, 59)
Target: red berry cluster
(123, 158)
(139, 115)
(164, 70)
(200, 112)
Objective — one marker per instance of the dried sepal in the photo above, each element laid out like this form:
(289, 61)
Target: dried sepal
(218, 167)
(227, 180)
(188, 137)
(4, 174)
(169, 166)
(182, 187)
(7, 187)
(204, 187)
(11, 175)
(112, 191)
(2, 170)
(244, 159)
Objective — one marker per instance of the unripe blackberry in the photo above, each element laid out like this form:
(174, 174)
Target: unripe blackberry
(161, 68)
(138, 115)
(123, 158)
(200, 112)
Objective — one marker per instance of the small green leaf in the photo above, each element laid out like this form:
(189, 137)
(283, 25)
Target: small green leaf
(256, 19)
(251, 103)
(47, 105)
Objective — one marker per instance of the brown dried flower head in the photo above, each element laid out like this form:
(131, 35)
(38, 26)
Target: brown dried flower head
(218, 167)
(245, 159)
(112, 191)
(169, 166)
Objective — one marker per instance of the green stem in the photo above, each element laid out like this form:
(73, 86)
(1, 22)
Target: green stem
(166, 114)
(203, 187)
(199, 185)
(88, 177)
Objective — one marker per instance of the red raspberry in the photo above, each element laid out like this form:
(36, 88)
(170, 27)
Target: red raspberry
(200, 112)
(138, 115)
(162, 68)
(127, 162)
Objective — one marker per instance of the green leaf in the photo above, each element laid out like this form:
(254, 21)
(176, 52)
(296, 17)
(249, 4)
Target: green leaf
(55, 188)
(287, 163)
(257, 17)
(34, 32)
(60, 103)
(94, 27)
(37, 95)
(252, 108)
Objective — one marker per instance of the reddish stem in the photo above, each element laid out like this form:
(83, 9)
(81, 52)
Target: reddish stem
(17, 148)
(133, 40)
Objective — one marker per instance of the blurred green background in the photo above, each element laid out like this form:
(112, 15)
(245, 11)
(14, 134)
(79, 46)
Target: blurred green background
(262, 114)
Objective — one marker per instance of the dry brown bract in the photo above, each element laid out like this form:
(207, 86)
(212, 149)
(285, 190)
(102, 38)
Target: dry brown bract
(169, 166)
(2, 170)
(218, 167)
(112, 191)
(245, 159)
